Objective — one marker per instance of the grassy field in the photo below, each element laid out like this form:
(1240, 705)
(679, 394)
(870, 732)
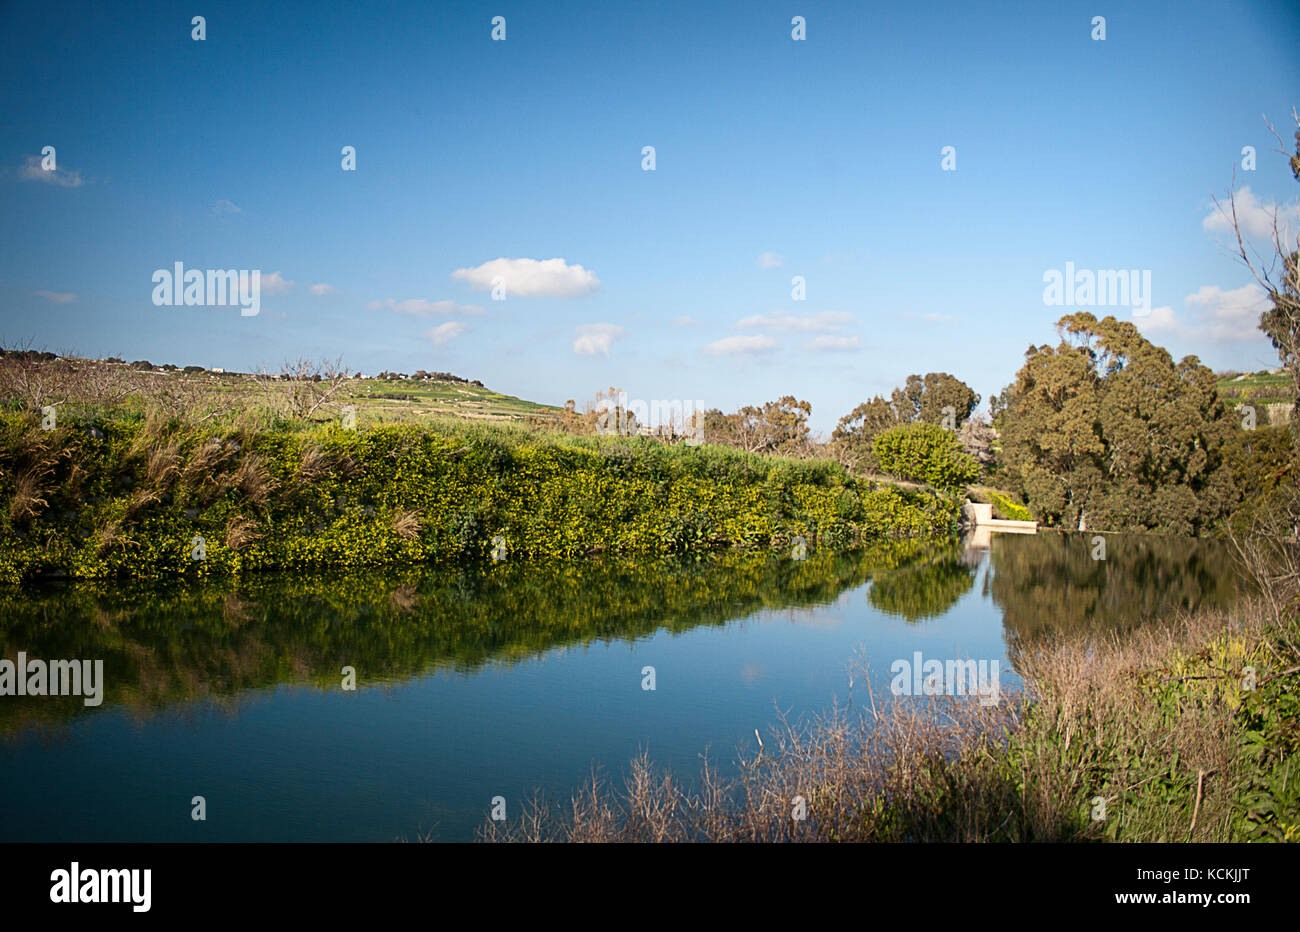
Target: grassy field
(302, 390)
(1262, 387)
(385, 400)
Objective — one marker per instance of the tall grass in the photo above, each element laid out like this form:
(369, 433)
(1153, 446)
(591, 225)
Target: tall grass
(1147, 738)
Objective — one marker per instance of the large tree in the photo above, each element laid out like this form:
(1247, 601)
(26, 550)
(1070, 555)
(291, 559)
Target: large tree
(1106, 431)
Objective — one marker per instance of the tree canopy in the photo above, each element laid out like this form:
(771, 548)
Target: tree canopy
(1107, 431)
(935, 398)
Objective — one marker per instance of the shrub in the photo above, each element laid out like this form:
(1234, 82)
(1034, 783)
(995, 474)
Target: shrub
(925, 453)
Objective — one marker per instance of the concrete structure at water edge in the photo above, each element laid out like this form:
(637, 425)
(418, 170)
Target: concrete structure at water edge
(981, 525)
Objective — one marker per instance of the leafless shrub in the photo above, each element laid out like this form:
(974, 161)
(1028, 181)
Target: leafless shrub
(304, 387)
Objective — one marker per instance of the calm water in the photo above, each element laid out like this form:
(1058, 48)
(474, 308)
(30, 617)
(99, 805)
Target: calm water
(502, 680)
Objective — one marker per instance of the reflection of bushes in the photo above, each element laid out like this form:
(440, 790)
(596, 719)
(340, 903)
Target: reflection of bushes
(116, 496)
(181, 641)
(1050, 583)
(926, 588)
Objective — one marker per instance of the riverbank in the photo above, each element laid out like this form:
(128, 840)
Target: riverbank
(1185, 731)
(113, 493)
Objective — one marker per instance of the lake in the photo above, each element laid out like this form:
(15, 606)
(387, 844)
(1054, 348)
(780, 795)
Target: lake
(505, 679)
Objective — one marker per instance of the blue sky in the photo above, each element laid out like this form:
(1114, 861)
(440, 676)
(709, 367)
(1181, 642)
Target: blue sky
(774, 158)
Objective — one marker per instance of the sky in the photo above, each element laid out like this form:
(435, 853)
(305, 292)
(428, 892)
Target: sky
(523, 162)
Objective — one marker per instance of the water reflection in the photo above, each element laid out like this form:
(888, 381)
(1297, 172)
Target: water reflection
(177, 643)
(1054, 583)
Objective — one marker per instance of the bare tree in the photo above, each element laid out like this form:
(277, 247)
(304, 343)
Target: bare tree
(304, 386)
(1278, 274)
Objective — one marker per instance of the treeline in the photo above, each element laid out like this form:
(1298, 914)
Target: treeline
(1103, 431)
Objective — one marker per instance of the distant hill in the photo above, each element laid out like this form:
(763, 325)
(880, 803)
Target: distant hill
(389, 397)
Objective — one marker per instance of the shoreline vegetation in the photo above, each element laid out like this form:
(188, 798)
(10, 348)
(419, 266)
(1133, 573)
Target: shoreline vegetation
(121, 482)
(1155, 737)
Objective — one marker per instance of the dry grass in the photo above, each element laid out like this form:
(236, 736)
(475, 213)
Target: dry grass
(241, 532)
(253, 479)
(29, 492)
(407, 523)
(1094, 721)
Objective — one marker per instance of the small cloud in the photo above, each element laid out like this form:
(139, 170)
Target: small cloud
(224, 208)
(419, 307)
(275, 283)
(771, 260)
(322, 289)
(531, 278)
(741, 346)
(443, 334)
(831, 344)
(787, 322)
(685, 322)
(596, 338)
(31, 170)
(1212, 315)
(1255, 216)
(1160, 320)
(58, 297)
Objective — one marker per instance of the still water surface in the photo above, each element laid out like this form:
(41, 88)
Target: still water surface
(504, 680)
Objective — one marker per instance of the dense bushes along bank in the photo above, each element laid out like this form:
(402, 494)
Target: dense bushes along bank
(122, 496)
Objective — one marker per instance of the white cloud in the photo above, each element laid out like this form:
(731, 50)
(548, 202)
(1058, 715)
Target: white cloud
(596, 338)
(798, 323)
(275, 283)
(531, 278)
(685, 322)
(223, 208)
(58, 297)
(1161, 320)
(831, 344)
(1230, 314)
(419, 307)
(741, 346)
(1212, 315)
(443, 334)
(322, 289)
(771, 260)
(1255, 216)
(31, 171)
